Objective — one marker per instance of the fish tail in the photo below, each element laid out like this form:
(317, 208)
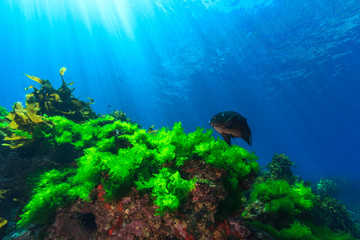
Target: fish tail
(248, 140)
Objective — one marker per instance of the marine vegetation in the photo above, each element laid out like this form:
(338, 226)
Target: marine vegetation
(280, 168)
(327, 188)
(3, 112)
(287, 208)
(129, 178)
(3, 222)
(119, 115)
(120, 181)
(3, 121)
(24, 122)
(119, 156)
(60, 102)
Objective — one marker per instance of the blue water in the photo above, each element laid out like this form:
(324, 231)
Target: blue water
(291, 67)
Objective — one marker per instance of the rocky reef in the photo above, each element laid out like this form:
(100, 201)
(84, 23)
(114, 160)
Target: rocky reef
(163, 184)
(104, 177)
(286, 207)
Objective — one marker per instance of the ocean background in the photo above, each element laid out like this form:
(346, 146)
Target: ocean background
(291, 67)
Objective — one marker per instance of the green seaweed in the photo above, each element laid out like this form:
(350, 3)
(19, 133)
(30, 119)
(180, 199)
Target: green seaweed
(293, 211)
(296, 231)
(279, 195)
(280, 168)
(283, 200)
(49, 193)
(168, 189)
(300, 231)
(119, 155)
(3, 112)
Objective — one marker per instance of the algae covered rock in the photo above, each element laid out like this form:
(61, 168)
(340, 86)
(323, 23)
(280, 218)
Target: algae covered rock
(110, 179)
(280, 168)
(131, 183)
(135, 217)
(159, 184)
(327, 188)
(287, 208)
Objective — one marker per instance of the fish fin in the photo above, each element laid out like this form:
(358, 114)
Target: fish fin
(227, 138)
(248, 139)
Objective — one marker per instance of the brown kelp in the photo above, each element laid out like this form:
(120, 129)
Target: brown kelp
(60, 102)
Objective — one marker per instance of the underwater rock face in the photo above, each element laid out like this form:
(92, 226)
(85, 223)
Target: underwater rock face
(15, 167)
(133, 216)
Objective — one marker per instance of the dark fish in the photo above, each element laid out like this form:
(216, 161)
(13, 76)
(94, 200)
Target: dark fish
(231, 124)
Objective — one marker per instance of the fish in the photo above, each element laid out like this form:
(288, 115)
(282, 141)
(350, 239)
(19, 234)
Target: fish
(231, 124)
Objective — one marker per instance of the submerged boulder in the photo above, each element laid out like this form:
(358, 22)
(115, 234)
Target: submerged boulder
(134, 216)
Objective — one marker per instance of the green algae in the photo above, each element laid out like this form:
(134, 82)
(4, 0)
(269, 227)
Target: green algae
(3, 112)
(287, 208)
(130, 157)
(280, 196)
(168, 189)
